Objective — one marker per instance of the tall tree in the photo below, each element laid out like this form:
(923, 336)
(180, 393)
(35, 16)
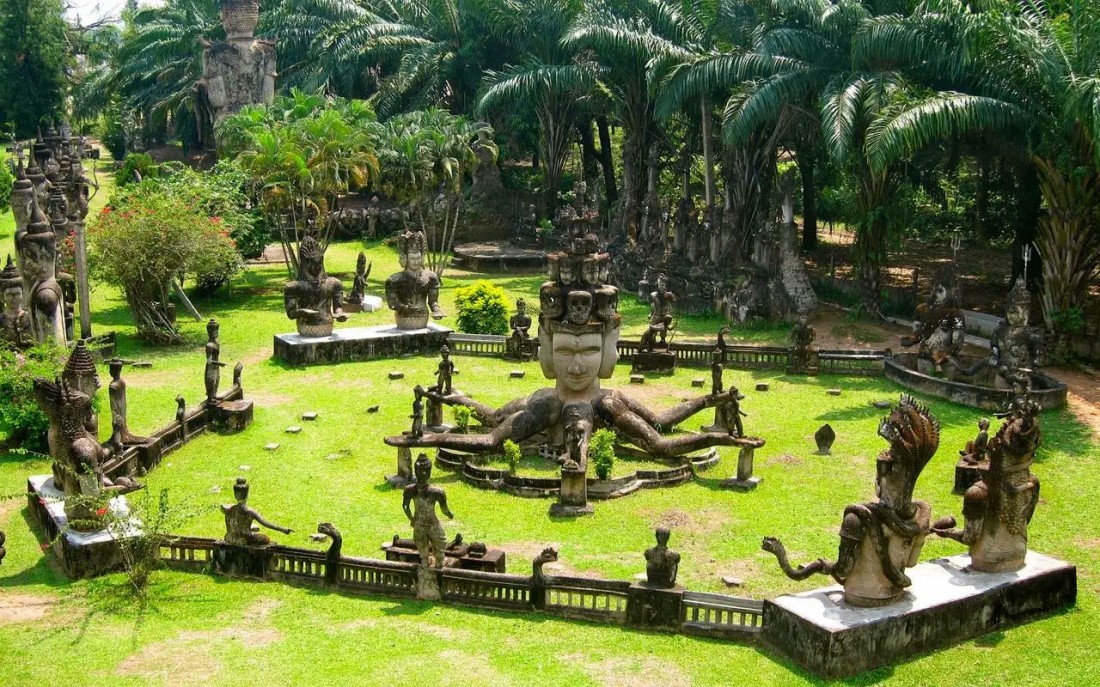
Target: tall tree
(33, 61)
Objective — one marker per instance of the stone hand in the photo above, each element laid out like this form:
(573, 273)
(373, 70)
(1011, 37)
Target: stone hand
(341, 317)
(286, 530)
(943, 524)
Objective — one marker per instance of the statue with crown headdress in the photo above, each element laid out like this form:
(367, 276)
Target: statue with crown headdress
(881, 538)
(1016, 348)
(939, 326)
(15, 321)
(314, 300)
(413, 293)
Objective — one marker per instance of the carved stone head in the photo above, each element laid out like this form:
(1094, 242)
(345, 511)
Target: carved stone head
(423, 469)
(240, 489)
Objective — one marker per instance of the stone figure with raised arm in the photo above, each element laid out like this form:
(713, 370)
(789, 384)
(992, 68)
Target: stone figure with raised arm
(240, 516)
(419, 502)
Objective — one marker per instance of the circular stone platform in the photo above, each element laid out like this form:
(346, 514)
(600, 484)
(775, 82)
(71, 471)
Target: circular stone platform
(901, 368)
(489, 256)
(542, 487)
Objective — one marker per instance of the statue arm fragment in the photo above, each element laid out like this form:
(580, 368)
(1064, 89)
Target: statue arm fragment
(269, 525)
(673, 416)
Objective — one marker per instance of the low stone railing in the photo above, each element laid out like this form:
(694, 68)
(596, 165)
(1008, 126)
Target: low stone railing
(615, 602)
(694, 354)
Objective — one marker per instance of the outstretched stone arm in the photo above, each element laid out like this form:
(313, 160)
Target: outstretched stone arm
(269, 525)
(673, 416)
(535, 418)
(485, 414)
(635, 429)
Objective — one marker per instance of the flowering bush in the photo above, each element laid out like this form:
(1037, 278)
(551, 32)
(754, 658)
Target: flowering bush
(148, 236)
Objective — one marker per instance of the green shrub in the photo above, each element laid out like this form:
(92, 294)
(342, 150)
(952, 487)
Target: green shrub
(601, 451)
(462, 418)
(141, 163)
(145, 238)
(512, 454)
(20, 417)
(482, 308)
(6, 180)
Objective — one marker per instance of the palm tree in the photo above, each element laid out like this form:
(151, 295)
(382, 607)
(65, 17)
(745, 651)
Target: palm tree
(161, 58)
(549, 80)
(1031, 77)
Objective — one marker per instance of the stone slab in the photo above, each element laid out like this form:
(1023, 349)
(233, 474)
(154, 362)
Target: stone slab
(310, 416)
(359, 343)
(517, 374)
(945, 605)
(637, 379)
(81, 554)
(368, 304)
(698, 383)
(741, 484)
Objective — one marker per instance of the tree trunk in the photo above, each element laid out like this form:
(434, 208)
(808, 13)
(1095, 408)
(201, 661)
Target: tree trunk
(588, 150)
(806, 164)
(1028, 206)
(981, 197)
(606, 160)
(708, 150)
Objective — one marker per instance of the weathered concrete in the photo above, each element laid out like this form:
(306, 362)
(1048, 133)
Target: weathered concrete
(945, 605)
(359, 343)
(1048, 392)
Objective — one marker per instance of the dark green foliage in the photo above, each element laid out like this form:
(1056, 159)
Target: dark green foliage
(483, 308)
(33, 58)
(601, 451)
(20, 418)
(6, 180)
(136, 162)
(112, 131)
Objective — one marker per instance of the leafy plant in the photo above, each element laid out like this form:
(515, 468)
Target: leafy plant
(512, 454)
(483, 308)
(20, 417)
(141, 163)
(601, 451)
(6, 180)
(462, 418)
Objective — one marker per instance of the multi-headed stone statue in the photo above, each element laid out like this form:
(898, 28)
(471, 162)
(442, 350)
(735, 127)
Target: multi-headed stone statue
(240, 516)
(880, 539)
(999, 507)
(413, 293)
(419, 501)
(578, 335)
(314, 300)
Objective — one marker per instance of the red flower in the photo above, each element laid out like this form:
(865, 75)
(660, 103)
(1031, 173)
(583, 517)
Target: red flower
(44, 547)
(101, 512)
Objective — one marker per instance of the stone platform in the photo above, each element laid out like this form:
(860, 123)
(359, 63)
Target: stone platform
(492, 256)
(359, 343)
(81, 554)
(945, 605)
(369, 304)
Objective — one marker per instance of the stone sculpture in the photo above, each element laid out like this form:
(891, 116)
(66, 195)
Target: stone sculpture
(716, 371)
(802, 358)
(120, 429)
(661, 562)
(975, 452)
(526, 233)
(413, 293)
(824, 438)
(880, 539)
(374, 211)
(240, 516)
(417, 412)
(998, 509)
(578, 335)
(939, 327)
(444, 372)
(420, 499)
(1016, 348)
(519, 344)
(15, 322)
(238, 71)
(660, 316)
(212, 374)
(36, 247)
(314, 300)
(359, 284)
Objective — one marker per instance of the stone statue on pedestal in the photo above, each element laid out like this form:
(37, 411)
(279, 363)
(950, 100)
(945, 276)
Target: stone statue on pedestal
(716, 372)
(880, 539)
(36, 247)
(315, 299)
(213, 374)
(240, 516)
(660, 316)
(802, 358)
(420, 499)
(661, 562)
(1016, 348)
(998, 509)
(373, 213)
(359, 284)
(413, 293)
(15, 322)
(520, 345)
(445, 372)
(939, 327)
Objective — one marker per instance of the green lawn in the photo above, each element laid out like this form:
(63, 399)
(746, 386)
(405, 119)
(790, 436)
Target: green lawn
(199, 630)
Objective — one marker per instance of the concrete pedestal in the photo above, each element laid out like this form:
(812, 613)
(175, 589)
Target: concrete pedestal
(744, 481)
(360, 343)
(945, 605)
(404, 468)
(230, 417)
(573, 497)
(81, 554)
(241, 561)
(968, 474)
(368, 304)
(654, 361)
(654, 607)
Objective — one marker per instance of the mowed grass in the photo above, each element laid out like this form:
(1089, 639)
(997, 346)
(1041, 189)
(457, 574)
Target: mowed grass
(201, 630)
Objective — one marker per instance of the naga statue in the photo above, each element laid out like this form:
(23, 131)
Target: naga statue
(413, 293)
(578, 335)
(332, 556)
(999, 507)
(880, 539)
(314, 300)
(939, 327)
